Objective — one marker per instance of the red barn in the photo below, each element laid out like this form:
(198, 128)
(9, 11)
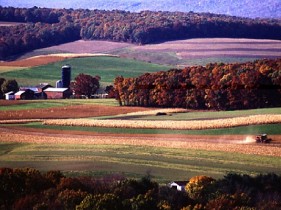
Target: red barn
(57, 93)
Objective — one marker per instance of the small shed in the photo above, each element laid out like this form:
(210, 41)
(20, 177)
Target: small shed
(57, 93)
(178, 185)
(24, 95)
(10, 95)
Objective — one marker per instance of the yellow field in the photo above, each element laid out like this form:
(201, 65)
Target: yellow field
(10, 68)
(175, 125)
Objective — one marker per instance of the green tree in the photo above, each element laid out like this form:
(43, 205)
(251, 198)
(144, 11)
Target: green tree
(2, 80)
(9, 85)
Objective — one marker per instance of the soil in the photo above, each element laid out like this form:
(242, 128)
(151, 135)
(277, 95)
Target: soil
(74, 111)
(35, 61)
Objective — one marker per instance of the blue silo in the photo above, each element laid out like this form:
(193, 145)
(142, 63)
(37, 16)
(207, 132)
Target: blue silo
(65, 76)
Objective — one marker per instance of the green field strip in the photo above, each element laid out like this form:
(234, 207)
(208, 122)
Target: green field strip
(41, 104)
(197, 115)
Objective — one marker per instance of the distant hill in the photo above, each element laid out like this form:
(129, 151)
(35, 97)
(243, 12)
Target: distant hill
(243, 8)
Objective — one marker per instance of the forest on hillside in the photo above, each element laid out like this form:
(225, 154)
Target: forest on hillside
(30, 189)
(217, 86)
(43, 27)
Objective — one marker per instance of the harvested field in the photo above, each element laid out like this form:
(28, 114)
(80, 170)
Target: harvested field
(63, 112)
(4, 23)
(82, 46)
(177, 125)
(181, 52)
(46, 59)
(237, 144)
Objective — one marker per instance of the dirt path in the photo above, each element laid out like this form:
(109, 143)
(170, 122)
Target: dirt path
(233, 143)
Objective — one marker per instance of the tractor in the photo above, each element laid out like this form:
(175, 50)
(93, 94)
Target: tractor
(262, 138)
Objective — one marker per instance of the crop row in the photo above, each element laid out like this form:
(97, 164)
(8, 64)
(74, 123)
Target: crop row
(175, 125)
(19, 121)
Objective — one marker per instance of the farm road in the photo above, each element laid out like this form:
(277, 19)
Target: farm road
(237, 144)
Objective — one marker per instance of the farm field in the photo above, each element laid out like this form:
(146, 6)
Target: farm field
(107, 67)
(164, 164)
(166, 154)
(176, 53)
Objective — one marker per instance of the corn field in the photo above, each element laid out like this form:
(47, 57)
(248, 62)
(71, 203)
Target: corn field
(173, 125)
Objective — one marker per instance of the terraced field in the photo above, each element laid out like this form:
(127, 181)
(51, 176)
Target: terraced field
(166, 154)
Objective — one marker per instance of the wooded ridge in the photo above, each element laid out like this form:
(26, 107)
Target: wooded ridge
(44, 27)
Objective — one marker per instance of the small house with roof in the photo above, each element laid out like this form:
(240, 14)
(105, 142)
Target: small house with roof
(10, 95)
(178, 185)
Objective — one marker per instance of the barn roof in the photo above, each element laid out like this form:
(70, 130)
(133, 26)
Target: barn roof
(56, 89)
(19, 92)
(10, 93)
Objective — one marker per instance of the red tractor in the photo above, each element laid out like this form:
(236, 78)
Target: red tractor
(262, 138)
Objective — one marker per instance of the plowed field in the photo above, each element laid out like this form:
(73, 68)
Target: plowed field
(75, 111)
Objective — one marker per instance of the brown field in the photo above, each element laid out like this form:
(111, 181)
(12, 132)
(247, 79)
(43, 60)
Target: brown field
(4, 23)
(172, 52)
(74, 111)
(46, 59)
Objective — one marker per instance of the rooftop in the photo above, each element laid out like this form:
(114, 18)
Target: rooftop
(56, 89)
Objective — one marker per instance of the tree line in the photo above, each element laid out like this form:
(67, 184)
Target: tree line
(30, 189)
(44, 27)
(217, 86)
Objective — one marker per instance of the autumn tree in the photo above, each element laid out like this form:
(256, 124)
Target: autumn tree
(85, 85)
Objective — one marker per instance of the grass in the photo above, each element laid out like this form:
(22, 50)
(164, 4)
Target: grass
(170, 57)
(194, 115)
(272, 129)
(108, 68)
(164, 164)
(41, 104)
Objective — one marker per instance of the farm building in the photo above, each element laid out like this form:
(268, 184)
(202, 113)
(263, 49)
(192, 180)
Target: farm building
(38, 90)
(57, 93)
(178, 185)
(24, 95)
(10, 95)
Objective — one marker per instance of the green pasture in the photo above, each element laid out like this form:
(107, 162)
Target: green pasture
(271, 129)
(170, 57)
(108, 68)
(200, 115)
(164, 164)
(41, 104)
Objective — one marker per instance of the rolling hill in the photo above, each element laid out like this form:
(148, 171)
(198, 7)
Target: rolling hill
(243, 8)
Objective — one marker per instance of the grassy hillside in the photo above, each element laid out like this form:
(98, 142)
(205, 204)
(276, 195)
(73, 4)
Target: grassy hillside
(245, 8)
(164, 164)
(106, 67)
